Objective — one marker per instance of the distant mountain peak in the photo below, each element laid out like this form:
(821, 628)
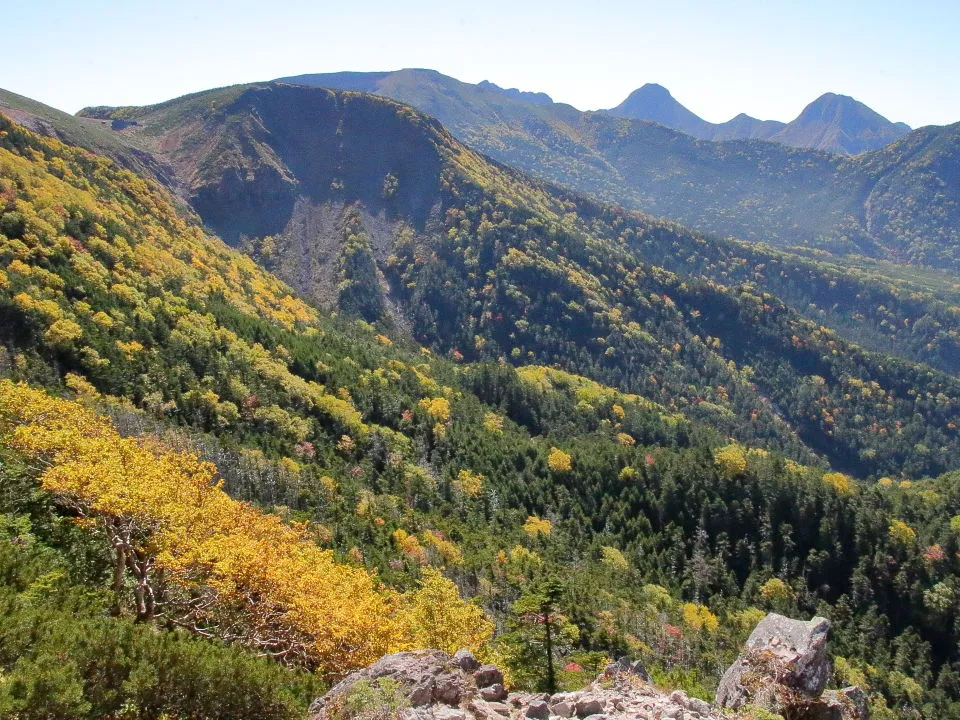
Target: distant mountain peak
(840, 123)
(654, 102)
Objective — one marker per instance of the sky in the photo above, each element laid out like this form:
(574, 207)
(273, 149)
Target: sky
(717, 57)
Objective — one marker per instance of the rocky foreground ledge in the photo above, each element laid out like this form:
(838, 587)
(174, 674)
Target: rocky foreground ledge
(784, 669)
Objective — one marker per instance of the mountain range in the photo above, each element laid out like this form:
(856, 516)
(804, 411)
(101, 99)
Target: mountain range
(426, 360)
(290, 172)
(834, 123)
(900, 203)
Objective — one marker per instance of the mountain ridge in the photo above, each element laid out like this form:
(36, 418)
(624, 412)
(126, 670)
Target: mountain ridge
(752, 189)
(654, 102)
(833, 123)
(276, 176)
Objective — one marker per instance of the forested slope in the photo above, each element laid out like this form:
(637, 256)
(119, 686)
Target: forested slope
(672, 539)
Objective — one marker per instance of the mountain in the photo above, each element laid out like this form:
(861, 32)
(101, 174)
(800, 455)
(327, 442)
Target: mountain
(361, 202)
(370, 467)
(654, 102)
(833, 123)
(254, 171)
(749, 189)
(912, 315)
(838, 123)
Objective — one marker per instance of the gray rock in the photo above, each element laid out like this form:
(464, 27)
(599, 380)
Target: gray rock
(495, 692)
(589, 706)
(432, 685)
(422, 693)
(448, 688)
(793, 651)
(423, 677)
(499, 708)
(626, 666)
(487, 675)
(852, 702)
(448, 713)
(465, 660)
(699, 706)
(538, 710)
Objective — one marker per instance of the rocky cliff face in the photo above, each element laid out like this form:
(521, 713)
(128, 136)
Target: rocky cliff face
(247, 155)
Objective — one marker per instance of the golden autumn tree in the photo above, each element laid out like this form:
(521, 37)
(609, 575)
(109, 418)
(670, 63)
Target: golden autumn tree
(190, 555)
(559, 461)
(424, 617)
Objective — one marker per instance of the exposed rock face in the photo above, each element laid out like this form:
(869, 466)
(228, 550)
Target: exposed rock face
(433, 685)
(849, 703)
(416, 679)
(779, 654)
(784, 668)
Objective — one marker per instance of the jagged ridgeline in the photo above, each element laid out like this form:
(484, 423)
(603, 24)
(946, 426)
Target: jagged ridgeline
(480, 261)
(898, 202)
(396, 460)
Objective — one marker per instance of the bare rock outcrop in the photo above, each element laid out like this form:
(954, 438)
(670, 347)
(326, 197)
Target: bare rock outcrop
(780, 654)
(432, 685)
(784, 668)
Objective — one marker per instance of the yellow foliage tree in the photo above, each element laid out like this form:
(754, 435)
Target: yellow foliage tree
(447, 549)
(434, 616)
(468, 483)
(493, 423)
(698, 617)
(191, 555)
(843, 484)
(730, 459)
(614, 559)
(438, 408)
(410, 546)
(559, 461)
(901, 533)
(775, 589)
(535, 526)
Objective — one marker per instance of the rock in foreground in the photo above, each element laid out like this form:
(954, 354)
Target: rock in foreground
(780, 653)
(784, 668)
(432, 684)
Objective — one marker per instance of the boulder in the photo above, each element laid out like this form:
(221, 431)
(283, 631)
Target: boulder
(494, 693)
(783, 661)
(465, 660)
(487, 675)
(626, 666)
(538, 710)
(419, 678)
(589, 706)
(851, 702)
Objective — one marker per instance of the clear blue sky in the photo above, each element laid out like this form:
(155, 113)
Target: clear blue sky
(718, 57)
